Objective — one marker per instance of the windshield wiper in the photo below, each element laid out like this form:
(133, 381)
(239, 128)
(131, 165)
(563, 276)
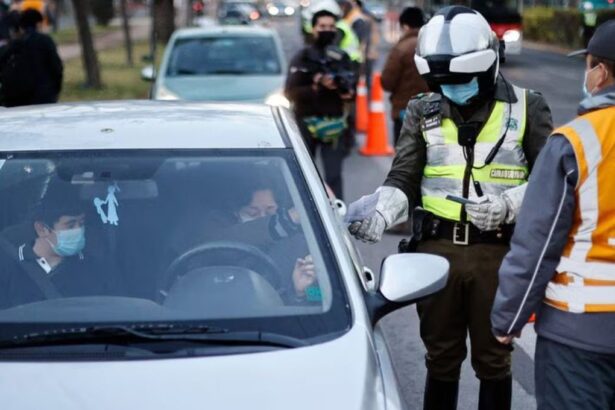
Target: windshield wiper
(227, 71)
(162, 332)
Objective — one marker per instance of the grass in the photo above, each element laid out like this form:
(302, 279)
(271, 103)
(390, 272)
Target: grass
(120, 81)
(70, 35)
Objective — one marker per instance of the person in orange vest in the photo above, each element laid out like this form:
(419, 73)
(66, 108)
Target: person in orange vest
(562, 258)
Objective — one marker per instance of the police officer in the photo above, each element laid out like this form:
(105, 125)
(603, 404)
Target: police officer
(476, 136)
(562, 258)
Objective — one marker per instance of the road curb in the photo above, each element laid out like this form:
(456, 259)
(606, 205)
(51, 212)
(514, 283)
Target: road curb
(534, 45)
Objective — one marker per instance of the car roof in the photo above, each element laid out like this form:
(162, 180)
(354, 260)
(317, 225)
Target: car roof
(216, 31)
(139, 125)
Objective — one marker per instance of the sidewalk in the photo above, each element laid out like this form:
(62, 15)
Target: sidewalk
(139, 29)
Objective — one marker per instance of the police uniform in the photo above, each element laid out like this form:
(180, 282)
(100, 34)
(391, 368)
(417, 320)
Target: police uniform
(429, 165)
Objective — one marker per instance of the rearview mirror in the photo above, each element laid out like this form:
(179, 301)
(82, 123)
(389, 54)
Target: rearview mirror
(405, 279)
(148, 73)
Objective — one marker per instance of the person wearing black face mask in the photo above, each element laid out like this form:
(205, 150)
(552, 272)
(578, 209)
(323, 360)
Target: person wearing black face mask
(319, 84)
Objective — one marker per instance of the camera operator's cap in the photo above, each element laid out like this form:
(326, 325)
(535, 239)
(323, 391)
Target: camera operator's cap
(602, 43)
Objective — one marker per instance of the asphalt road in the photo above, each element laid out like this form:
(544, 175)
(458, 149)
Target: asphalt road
(559, 79)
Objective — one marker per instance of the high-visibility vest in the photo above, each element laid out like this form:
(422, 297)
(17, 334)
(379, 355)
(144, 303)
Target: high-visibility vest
(585, 277)
(445, 167)
(350, 42)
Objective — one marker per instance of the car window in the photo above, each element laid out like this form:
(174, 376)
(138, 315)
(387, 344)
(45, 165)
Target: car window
(239, 55)
(222, 236)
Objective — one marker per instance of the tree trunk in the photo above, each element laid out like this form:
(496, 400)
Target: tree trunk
(164, 19)
(88, 52)
(126, 28)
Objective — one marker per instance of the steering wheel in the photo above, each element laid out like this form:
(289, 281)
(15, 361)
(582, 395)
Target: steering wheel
(266, 266)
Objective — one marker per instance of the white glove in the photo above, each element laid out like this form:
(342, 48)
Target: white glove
(489, 213)
(372, 214)
(492, 211)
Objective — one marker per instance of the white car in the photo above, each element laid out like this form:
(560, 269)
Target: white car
(170, 255)
(222, 63)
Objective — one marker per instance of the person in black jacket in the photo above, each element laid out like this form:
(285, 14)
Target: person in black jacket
(31, 70)
(319, 83)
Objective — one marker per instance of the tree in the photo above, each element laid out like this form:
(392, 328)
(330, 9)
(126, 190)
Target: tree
(88, 52)
(164, 19)
(126, 29)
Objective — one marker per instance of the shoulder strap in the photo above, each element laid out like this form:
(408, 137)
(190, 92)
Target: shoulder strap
(43, 283)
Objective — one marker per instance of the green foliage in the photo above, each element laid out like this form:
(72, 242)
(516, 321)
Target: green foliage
(554, 26)
(103, 11)
(119, 80)
(605, 15)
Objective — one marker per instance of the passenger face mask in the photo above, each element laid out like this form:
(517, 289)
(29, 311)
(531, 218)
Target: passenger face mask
(69, 242)
(325, 38)
(461, 94)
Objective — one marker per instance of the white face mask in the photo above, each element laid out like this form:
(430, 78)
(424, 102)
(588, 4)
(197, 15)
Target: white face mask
(587, 92)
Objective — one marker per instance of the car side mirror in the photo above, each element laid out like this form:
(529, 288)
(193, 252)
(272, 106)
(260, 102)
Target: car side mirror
(404, 280)
(148, 73)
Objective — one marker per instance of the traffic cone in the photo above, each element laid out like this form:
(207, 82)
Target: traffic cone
(377, 136)
(532, 318)
(361, 105)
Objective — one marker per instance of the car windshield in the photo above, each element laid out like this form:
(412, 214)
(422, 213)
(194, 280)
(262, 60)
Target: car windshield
(227, 238)
(240, 55)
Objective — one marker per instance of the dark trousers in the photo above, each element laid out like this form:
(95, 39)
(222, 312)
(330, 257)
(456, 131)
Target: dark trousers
(463, 307)
(568, 378)
(332, 154)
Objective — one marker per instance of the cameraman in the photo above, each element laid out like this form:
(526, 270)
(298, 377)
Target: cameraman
(319, 83)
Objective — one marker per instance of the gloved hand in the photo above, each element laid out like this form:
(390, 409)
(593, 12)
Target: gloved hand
(370, 229)
(372, 214)
(489, 213)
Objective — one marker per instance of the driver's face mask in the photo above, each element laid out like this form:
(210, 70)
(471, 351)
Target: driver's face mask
(69, 242)
(461, 94)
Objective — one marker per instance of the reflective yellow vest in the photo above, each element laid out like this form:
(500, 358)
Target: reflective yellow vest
(350, 42)
(585, 278)
(445, 167)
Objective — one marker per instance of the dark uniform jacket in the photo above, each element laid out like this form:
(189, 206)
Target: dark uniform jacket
(537, 246)
(407, 170)
(316, 101)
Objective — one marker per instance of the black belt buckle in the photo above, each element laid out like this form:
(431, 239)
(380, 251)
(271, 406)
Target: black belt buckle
(461, 234)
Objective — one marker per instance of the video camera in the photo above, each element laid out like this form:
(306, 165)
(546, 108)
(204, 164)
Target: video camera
(331, 64)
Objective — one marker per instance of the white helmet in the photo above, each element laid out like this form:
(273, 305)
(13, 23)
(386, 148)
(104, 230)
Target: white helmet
(318, 5)
(455, 46)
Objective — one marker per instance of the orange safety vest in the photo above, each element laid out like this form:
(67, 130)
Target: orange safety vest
(585, 278)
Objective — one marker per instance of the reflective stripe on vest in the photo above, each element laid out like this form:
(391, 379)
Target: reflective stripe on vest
(350, 42)
(443, 174)
(585, 279)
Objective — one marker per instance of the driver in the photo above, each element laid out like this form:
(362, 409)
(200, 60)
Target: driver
(51, 264)
(251, 215)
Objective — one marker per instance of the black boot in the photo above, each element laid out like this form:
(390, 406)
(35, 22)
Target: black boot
(440, 395)
(495, 394)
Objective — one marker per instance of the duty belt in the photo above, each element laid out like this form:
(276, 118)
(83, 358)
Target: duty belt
(464, 234)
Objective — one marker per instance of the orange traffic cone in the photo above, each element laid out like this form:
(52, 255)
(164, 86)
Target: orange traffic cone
(377, 136)
(361, 106)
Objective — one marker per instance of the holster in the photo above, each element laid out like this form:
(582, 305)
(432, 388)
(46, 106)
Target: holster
(422, 226)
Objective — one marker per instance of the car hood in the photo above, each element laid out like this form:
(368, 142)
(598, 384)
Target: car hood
(246, 88)
(340, 374)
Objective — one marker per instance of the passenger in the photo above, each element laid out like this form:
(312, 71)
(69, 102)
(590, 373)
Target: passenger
(251, 215)
(52, 264)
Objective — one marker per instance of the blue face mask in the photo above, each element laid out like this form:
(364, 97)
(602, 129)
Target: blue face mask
(461, 94)
(70, 242)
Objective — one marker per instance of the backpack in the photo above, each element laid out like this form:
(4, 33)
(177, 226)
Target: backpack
(17, 78)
